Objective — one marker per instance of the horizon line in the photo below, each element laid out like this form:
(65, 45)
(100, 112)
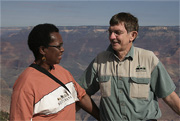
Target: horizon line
(93, 25)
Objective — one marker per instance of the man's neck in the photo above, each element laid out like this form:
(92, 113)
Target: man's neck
(122, 54)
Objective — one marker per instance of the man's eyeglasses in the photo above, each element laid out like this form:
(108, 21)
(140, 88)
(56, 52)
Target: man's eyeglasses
(116, 33)
(58, 47)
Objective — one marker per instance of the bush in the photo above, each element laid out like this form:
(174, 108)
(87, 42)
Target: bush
(4, 116)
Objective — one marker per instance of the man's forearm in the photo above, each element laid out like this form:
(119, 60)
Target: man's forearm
(173, 101)
(87, 104)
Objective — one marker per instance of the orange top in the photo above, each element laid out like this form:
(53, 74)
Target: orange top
(38, 97)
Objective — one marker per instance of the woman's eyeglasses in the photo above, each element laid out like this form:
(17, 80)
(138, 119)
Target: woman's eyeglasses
(58, 47)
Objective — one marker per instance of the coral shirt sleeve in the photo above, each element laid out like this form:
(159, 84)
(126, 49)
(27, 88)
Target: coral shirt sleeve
(80, 91)
(21, 106)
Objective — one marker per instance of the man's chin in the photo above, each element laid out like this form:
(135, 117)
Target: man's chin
(115, 47)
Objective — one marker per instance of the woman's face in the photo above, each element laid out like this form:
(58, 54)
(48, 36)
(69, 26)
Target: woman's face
(55, 50)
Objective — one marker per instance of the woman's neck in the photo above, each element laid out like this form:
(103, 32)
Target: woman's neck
(43, 64)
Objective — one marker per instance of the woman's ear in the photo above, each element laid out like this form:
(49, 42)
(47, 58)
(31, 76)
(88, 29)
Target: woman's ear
(42, 50)
(133, 35)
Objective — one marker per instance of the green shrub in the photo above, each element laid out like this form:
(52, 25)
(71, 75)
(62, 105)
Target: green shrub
(4, 116)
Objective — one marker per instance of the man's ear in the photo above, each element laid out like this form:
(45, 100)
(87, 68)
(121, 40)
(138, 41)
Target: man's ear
(42, 50)
(133, 35)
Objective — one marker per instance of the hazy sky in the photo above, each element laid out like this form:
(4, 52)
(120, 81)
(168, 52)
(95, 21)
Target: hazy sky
(87, 12)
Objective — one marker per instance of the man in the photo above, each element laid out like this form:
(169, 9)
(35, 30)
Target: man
(130, 79)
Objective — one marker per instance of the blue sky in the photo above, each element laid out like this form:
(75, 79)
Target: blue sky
(86, 12)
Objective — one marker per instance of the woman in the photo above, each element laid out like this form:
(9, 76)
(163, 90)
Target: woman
(37, 96)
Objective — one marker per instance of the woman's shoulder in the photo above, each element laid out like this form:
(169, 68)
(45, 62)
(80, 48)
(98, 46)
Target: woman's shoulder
(60, 69)
(26, 79)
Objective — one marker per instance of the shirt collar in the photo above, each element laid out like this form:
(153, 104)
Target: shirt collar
(131, 52)
(128, 56)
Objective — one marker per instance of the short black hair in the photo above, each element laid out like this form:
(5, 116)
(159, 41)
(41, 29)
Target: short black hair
(40, 36)
(130, 21)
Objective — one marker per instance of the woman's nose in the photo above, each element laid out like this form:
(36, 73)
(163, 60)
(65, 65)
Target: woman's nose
(62, 49)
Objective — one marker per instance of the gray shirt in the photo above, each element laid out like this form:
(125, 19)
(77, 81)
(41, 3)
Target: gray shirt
(129, 88)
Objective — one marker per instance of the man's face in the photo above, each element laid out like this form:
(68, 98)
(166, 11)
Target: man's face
(119, 38)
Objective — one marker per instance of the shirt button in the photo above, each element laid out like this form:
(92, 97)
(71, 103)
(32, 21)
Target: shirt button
(120, 91)
(124, 117)
(122, 104)
(120, 78)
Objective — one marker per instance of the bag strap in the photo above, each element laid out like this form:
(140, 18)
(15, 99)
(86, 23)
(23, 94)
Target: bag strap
(39, 68)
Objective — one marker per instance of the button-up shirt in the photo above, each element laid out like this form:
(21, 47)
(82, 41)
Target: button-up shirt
(129, 88)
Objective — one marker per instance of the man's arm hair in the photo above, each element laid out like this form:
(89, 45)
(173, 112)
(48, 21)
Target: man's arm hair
(173, 101)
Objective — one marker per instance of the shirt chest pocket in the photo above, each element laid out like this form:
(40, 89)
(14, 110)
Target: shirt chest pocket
(139, 88)
(105, 87)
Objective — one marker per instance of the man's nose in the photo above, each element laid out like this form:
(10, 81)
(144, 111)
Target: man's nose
(112, 35)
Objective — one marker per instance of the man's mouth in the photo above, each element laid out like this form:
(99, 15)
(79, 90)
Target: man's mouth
(115, 42)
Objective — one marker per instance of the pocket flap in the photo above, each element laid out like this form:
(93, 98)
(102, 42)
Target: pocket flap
(140, 80)
(104, 79)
